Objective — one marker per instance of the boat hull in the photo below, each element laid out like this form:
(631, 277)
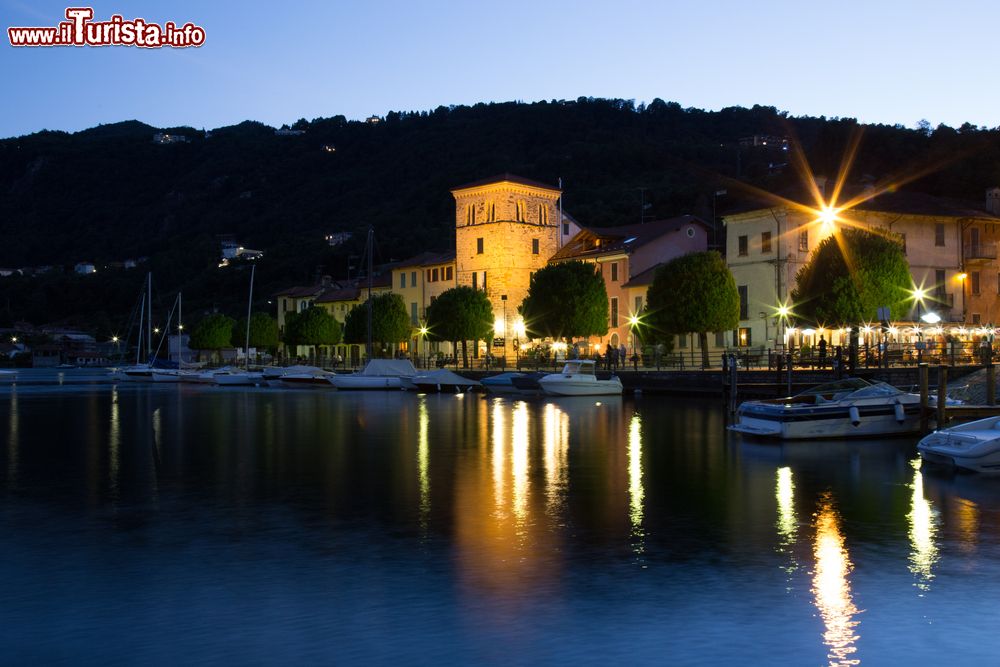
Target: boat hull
(558, 386)
(832, 422)
(366, 382)
(974, 446)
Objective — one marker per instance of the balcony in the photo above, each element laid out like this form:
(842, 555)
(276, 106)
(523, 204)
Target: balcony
(980, 251)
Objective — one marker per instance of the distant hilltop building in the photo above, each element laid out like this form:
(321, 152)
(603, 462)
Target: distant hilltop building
(337, 238)
(84, 268)
(373, 120)
(231, 250)
(163, 138)
(329, 148)
(285, 132)
(764, 141)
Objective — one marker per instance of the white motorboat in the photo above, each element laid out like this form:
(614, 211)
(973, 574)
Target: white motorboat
(166, 375)
(377, 374)
(973, 446)
(137, 373)
(843, 409)
(272, 374)
(440, 382)
(236, 378)
(305, 376)
(578, 378)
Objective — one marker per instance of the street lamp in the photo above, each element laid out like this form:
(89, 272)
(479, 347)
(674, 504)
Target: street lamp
(503, 361)
(423, 334)
(633, 322)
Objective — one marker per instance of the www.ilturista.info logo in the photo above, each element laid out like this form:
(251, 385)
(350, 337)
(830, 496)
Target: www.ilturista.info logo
(81, 30)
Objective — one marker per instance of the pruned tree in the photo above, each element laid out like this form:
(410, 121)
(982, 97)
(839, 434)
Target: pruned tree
(694, 293)
(566, 300)
(460, 314)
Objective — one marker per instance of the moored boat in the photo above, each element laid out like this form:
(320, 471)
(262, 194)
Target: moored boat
(847, 408)
(502, 383)
(579, 378)
(377, 374)
(8, 377)
(441, 382)
(972, 446)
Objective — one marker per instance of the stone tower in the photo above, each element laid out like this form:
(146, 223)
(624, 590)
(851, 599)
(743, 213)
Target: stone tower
(506, 228)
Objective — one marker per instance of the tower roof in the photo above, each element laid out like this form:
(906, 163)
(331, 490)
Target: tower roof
(506, 178)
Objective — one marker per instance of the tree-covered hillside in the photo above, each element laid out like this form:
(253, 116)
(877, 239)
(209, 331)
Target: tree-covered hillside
(110, 193)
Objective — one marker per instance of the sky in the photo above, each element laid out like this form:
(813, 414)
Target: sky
(877, 61)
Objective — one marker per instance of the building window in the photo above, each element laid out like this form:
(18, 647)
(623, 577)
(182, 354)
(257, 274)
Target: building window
(939, 234)
(939, 283)
(682, 341)
(447, 273)
(521, 211)
(614, 311)
(804, 240)
(976, 319)
(743, 337)
(765, 241)
(743, 246)
(479, 246)
(484, 281)
(902, 239)
(470, 214)
(491, 212)
(475, 280)
(543, 215)
(534, 246)
(744, 303)
(402, 281)
(638, 305)
(434, 275)
(614, 272)
(974, 282)
(413, 313)
(565, 229)
(720, 339)
(413, 278)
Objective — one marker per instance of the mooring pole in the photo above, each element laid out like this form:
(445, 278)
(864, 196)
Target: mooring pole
(789, 365)
(924, 408)
(991, 379)
(942, 394)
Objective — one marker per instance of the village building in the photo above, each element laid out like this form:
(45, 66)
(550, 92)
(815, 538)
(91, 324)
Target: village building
(950, 246)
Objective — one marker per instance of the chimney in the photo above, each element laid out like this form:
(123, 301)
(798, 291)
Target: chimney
(993, 200)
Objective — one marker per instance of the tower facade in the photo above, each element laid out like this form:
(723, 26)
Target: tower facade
(506, 228)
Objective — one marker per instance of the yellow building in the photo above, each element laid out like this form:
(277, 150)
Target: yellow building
(338, 300)
(506, 228)
(419, 280)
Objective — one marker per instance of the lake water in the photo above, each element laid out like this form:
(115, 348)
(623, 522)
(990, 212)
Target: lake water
(186, 524)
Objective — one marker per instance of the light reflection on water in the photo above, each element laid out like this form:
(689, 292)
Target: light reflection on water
(318, 527)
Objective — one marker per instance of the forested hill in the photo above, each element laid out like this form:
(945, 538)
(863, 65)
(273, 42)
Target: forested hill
(110, 193)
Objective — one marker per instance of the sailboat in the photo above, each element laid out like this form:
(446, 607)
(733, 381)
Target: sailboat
(140, 372)
(179, 374)
(245, 377)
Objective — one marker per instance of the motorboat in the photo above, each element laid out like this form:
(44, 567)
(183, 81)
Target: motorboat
(237, 378)
(166, 375)
(440, 382)
(579, 378)
(137, 373)
(272, 374)
(502, 383)
(305, 376)
(847, 408)
(377, 374)
(527, 383)
(972, 446)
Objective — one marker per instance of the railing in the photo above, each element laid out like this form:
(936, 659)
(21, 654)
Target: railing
(980, 251)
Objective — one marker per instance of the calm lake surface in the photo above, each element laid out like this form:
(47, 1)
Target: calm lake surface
(185, 524)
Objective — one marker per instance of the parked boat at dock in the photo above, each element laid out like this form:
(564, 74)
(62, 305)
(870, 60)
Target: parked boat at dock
(377, 374)
(971, 446)
(579, 378)
(440, 382)
(502, 383)
(847, 408)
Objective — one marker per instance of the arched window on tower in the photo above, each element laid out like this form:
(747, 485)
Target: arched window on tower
(543, 215)
(470, 214)
(521, 211)
(491, 212)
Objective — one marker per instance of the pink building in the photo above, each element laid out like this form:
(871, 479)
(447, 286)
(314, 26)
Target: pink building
(623, 253)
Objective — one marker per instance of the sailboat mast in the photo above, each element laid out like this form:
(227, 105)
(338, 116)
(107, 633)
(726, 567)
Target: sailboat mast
(249, 308)
(180, 331)
(142, 316)
(371, 242)
(149, 318)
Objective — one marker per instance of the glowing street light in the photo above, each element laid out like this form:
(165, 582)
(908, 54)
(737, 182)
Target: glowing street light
(423, 334)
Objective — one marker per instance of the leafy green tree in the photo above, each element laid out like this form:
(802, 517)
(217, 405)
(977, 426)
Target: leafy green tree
(213, 332)
(836, 289)
(694, 293)
(263, 332)
(313, 326)
(390, 321)
(460, 314)
(566, 300)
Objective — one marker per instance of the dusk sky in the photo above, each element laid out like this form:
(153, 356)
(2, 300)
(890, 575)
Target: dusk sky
(888, 62)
